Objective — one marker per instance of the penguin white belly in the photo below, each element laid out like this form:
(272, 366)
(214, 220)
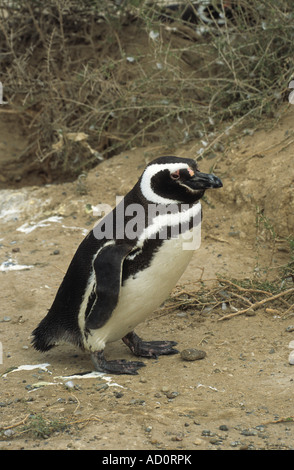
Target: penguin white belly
(143, 293)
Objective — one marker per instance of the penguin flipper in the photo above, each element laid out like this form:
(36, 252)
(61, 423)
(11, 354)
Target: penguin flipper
(108, 271)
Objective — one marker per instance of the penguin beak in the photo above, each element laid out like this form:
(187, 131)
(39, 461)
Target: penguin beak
(204, 181)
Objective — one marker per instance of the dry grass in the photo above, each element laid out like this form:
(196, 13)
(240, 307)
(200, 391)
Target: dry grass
(227, 299)
(88, 80)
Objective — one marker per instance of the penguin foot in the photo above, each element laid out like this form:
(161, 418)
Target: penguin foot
(150, 349)
(119, 366)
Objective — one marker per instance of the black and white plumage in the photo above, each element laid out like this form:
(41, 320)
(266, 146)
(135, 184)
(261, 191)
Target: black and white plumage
(127, 266)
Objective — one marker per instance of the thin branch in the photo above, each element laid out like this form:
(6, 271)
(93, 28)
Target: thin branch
(257, 304)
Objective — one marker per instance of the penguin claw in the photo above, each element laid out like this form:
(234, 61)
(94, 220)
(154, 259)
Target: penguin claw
(119, 366)
(150, 349)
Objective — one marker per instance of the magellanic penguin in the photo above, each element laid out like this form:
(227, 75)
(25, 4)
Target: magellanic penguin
(127, 266)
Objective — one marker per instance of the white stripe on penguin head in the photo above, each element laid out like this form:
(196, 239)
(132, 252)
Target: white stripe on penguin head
(147, 176)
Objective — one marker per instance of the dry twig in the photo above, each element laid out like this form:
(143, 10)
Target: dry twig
(257, 304)
(19, 423)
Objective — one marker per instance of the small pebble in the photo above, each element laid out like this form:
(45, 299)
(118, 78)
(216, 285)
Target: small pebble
(198, 442)
(260, 428)
(137, 401)
(218, 147)
(215, 441)
(235, 443)
(249, 432)
(250, 313)
(248, 131)
(192, 354)
(154, 442)
(291, 358)
(102, 387)
(72, 400)
(172, 394)
(177, 438)
(69, 384)
(223, 427)
(290, 328)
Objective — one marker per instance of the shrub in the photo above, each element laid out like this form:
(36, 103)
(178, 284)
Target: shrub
(88, 79)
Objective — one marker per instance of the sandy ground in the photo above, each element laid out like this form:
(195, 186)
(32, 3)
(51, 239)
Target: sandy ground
(240, 396)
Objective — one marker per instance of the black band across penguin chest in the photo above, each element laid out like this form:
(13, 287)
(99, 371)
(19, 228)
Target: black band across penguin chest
(140, 259)
(168, 223)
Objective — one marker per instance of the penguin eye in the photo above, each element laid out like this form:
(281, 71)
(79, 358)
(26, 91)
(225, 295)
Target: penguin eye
(175, 175)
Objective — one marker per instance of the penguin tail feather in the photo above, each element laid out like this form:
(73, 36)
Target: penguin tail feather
(48, 334)
(43, 339)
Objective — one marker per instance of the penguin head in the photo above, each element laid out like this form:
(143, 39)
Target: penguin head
(168, 180)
